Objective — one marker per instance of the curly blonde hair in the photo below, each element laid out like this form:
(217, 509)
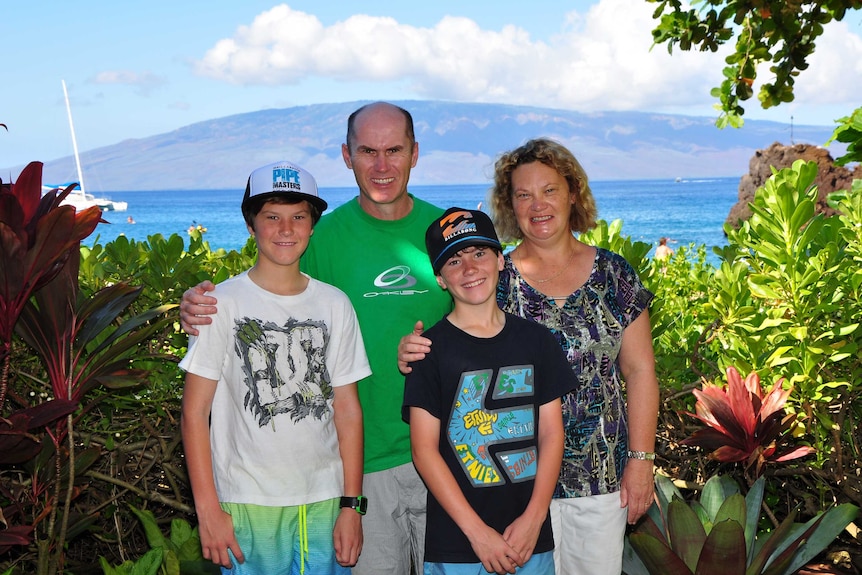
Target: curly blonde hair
(582, 216)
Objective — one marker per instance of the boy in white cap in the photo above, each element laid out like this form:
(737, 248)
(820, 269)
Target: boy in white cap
(272, 425)
(486, 425)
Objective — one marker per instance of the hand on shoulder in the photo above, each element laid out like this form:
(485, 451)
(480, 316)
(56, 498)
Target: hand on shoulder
(196, 306)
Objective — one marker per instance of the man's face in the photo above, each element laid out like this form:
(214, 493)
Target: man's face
(381, 156)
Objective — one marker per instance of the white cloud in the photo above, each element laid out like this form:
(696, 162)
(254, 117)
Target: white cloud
(598, 60)
(835, 72)
(144, 82)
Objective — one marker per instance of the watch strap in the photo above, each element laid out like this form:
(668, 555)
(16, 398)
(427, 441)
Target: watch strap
(643, 455)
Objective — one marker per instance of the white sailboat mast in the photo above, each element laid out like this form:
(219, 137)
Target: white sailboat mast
(74, 141)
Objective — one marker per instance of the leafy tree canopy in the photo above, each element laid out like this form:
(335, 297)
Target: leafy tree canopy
(781, 32)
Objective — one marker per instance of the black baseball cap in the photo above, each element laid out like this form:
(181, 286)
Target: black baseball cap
(456, 229)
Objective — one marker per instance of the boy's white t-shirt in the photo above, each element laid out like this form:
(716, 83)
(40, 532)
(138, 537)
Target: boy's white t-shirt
(273, 438)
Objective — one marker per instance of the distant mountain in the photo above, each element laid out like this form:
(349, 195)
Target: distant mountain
(458, 143)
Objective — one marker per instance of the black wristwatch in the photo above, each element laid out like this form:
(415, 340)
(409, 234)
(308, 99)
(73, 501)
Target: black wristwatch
(359, 503)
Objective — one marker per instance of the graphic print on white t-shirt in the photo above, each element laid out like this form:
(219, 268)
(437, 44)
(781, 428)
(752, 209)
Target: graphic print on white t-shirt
(284, 368)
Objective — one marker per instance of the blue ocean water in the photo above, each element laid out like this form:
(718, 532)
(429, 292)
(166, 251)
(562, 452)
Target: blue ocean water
(686, 211)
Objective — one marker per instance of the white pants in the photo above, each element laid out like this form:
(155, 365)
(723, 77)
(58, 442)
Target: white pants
(589, 534)
(394, 527)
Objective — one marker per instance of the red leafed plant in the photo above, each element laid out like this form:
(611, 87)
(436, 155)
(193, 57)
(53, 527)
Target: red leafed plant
(743, 423)
(82, 342)
(37, 237)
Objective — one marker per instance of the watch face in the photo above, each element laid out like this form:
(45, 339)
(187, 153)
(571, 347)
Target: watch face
(359, 503)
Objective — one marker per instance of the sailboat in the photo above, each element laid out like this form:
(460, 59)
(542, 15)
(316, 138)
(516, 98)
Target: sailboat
(79, 196)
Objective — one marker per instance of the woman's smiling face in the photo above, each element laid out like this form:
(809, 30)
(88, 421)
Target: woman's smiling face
(542, 201)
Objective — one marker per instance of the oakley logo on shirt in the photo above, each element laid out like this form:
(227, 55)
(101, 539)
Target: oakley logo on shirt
(399, 279)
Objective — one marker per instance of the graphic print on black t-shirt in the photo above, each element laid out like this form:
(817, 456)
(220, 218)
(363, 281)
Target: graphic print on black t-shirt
(473, 427)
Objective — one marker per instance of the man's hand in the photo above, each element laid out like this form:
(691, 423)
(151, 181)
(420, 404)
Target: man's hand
(196, 306)
(412, 347)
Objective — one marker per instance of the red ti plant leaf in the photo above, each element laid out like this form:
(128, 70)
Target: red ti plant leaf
(744, 423)
(14, 535)
(37, 237)
(87, 342)
(17, 444)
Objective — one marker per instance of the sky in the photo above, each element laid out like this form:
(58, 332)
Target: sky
(136, 69)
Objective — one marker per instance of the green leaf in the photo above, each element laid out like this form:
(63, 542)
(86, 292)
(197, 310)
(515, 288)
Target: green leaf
(732, 509)
(657, 557)
(154, 535)
(827, 527)
(686, 532)
(181, 532)
(149, 564)
(122, 569)
(753, 501)
(715, 492)
(170, 563)
(724, 550)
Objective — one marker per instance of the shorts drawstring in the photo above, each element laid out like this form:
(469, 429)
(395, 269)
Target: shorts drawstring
(303, 537)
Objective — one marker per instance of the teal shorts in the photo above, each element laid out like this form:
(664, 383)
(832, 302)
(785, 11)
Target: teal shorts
(539, 564)
(294, 540)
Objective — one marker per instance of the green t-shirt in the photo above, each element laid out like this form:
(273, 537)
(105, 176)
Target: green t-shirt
(383, 268)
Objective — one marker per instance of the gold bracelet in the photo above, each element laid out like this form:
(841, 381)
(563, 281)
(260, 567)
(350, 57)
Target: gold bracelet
(643, 455)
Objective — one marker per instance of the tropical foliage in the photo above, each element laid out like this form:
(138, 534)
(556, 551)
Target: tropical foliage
(744, 424)
(718, 533)
(769, 32)
(82, 343)
(179, 553)
(37, 238)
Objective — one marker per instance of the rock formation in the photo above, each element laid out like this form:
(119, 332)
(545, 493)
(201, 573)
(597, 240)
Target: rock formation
(829, 178)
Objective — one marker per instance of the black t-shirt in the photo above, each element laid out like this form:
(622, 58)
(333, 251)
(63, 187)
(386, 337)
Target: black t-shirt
(486, 392)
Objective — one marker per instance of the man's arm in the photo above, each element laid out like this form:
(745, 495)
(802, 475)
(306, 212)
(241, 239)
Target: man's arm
(496, 555)
(215, 526)
(524, 531)
(196, 306)
(347, 535)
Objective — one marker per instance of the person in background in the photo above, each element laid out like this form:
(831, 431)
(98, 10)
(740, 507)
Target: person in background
(373, 249)
(485, 418)
(597, 309)
(271, 421)
(663, 251)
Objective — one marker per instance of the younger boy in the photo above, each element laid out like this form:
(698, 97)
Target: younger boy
(272, 425)
(486, 425)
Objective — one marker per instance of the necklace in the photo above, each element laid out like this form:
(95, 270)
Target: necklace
(553, 277)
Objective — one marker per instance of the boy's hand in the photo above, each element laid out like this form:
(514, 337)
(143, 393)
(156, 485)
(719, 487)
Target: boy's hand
(217, 536)
(347, 537)
(496, 555)
(196, 306)
(522, 535)
(412, 347)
